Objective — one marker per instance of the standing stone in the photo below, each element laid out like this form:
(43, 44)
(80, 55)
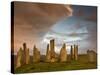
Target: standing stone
(48, 54)
(91, 55)
(27, 56)
(52, 48)
(24, 53)
(52, 51)
(72, 53)
(19, 58)
(76, 52)
(63, 54)
(52, 45)
(36, 55)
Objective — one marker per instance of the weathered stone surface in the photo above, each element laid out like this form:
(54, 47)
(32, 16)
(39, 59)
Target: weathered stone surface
(24, 53)
(51, 55)
(27, 56)
(19, 58)
(52, 51)
(53, 60)
(76, 52)
(72, 53)
(63, 54)
(52, 44)
(36, 55)
(48, 54)
(91, 56)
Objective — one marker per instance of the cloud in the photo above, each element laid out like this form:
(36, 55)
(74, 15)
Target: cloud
(37, 23)
(33, 20)
(61, 38)
(33, 16)
(92, 17)
(92, 14)
(38, 13)
(79, 13)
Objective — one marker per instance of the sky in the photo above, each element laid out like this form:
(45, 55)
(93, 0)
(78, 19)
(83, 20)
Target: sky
(38, 23)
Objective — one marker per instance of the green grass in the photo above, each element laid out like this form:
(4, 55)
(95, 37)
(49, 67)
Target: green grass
(44, 67)
(82, 63)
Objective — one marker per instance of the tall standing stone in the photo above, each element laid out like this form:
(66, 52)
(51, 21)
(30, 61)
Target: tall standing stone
(63, 54)
(19, 58)
(36, 55)
(48, 54)
(52, 51)
(72, 52)
(24, 53)
(27, 56)
(76, 51)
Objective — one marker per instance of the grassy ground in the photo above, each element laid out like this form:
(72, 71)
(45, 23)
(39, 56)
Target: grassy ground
(82, 63)
(47, 67)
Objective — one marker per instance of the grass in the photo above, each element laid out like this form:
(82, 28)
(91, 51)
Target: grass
(82, 63)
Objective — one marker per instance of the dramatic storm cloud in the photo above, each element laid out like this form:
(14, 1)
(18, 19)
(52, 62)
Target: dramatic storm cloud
(33, 20)
(37, 23)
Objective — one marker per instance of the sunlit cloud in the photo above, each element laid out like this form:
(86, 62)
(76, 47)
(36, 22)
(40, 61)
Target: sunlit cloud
(36, 24)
